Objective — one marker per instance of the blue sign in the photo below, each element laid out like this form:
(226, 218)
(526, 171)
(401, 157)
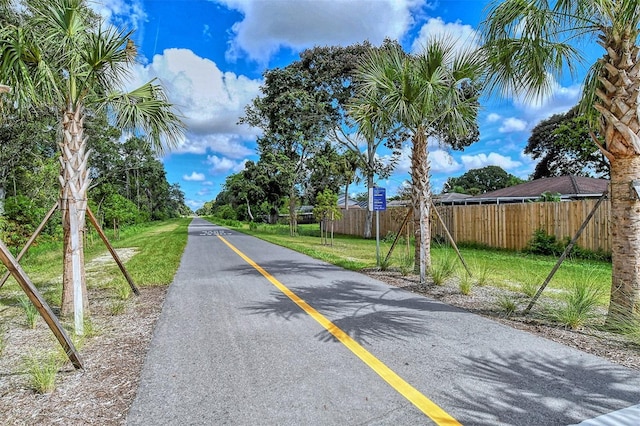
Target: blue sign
(379, 199)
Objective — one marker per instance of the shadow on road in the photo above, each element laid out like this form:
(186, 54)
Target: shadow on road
(541, 389)
(359, 310)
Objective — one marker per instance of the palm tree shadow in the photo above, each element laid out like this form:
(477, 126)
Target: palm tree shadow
(542, 389)
(358, 310)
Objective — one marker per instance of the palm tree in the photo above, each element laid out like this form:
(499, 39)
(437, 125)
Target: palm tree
(428, 94)
(92, 63)
(529, 44)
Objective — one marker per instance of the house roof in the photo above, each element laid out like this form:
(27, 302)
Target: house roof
(350, 202)
(449, 197)
(566, 186)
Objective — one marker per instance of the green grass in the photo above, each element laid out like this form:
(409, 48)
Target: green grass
(507, 304)
(466, 284)
(42, 370)
(514, 271)
(30, 312)
(578, 307)
(443, 268)
(158, 247)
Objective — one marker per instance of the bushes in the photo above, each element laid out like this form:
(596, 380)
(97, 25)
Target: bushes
(548, 245)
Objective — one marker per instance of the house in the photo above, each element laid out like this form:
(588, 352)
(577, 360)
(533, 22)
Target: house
(351, 203)
(567, 188)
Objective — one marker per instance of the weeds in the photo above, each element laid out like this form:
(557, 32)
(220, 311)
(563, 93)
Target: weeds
(483, 272)
(578, 306)
(628, 326)
(443, 269)
(384, 263)
(117, 307)
(30, 311)
(529, 287)
(406, 264)
(465, 285)
(42, 370)
(507, 304)
(123, 290)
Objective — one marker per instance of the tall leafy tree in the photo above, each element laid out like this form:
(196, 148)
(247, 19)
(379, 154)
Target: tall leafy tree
(332, 71)
(294, 123)
(529, 44)
(479, 181)
(562, 143)
(432, 94)
(91, 63)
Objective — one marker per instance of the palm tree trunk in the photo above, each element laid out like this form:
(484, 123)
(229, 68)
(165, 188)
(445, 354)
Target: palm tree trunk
(368, 221)
(74, 180)
(421, 199)
(625, 238)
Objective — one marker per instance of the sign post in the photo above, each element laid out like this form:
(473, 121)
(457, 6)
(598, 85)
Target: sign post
(377, 203)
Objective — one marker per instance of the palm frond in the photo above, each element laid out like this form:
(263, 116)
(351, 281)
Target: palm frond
(146, 111)
(526, 44)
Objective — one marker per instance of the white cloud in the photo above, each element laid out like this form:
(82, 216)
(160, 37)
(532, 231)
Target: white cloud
(513, 124)
(194, 204)
(225, 144)
(559, 99)
(493, 117)
(194, 177)
(493, 159)
(465, 35)
(443, 162)
(440, 161)
(129, 14)
(222, 165)
(271, 25)
(210, 101)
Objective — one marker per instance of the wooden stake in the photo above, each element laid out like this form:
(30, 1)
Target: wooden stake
(40, 304)
(31, 240)
(115, 256)
(566, 252)
(453, 243)
(395, 240)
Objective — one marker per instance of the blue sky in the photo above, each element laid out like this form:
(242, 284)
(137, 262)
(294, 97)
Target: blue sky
(210, 56)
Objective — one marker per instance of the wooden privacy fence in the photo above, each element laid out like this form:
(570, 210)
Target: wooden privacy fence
(508, 226)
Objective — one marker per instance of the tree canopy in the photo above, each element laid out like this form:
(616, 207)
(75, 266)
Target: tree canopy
(479, 181)
(562, 145)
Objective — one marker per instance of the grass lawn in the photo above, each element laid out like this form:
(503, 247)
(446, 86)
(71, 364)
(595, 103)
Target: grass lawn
(512, 270)
(155, 251)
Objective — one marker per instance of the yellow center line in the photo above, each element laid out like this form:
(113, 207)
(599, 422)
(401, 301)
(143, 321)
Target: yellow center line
(424, 404)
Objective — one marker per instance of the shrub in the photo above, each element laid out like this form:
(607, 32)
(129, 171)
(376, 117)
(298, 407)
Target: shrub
(548, 245)
(30, 311)
(507, 304)
(578, 306)
(42, 371)
(465, 285)
(443, 269)
(543, 243)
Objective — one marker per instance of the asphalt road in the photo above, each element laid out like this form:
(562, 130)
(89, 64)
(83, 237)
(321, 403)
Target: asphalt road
(233, 348)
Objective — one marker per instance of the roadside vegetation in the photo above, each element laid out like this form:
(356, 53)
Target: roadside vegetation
(577, 296)
(151, 252)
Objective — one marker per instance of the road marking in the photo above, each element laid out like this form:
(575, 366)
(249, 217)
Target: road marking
(424, 404)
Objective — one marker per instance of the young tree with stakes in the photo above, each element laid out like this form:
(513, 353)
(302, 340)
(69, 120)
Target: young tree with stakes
(80, 62)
